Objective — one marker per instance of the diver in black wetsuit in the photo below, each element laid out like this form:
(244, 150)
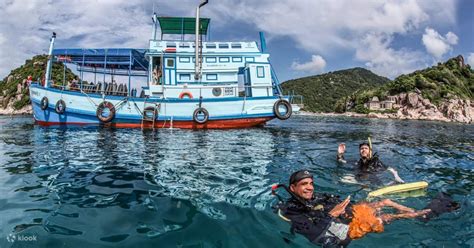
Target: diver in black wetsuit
(367, 164)
(326, 220)
(319, 217)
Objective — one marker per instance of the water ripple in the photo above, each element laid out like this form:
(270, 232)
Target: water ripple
(100, 186)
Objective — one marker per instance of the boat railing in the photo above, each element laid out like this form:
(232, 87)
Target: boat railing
(223, 90)
(296, 99)
(99, 88)
(205, 91)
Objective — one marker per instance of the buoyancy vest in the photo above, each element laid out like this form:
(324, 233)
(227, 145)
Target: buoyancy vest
(313, 220)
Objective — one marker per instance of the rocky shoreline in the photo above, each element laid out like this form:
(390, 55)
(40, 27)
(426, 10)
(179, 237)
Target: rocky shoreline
(413, 106)
(9, 110)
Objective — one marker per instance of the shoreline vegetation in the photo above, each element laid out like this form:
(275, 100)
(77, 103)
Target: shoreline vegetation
(443, 92)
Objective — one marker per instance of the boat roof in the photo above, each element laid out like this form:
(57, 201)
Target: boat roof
(183, 25)
(109, 58)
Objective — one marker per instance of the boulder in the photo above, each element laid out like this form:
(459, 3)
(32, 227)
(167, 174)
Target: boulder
(460, 59)
(38, 63)
(426, 102)
(402, 98)
(458, 110)
(412, 99)
(19, 88)
(9, 79)
(377, 115)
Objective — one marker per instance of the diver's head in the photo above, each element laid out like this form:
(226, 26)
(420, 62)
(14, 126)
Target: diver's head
(364, 150)
(301, 183)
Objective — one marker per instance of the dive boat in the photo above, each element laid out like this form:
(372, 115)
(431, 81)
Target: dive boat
(172, 83)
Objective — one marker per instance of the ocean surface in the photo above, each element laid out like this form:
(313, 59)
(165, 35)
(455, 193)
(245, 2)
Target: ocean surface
(103, 187)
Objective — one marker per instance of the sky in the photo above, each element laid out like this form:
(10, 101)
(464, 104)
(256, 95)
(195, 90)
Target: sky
(304, 37)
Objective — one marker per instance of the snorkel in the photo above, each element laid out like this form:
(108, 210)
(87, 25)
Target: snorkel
(370, 147)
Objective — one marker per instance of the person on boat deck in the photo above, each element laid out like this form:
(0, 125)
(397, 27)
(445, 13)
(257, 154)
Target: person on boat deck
(367, 163)
(326, 220)
(156, 75)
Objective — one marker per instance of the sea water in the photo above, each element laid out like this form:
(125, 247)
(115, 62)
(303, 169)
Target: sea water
(105, 187)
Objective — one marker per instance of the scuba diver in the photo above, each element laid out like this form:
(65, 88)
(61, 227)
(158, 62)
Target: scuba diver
(326, 220)
(368, 163)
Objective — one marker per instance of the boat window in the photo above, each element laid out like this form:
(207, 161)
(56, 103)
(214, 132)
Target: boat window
(223, 45)
(249, 59)
(184, 45)
(171, 44)
(169, 63)
(236, 59)
(184, 59)
(211, 45)
(224, 59)
(236, 45)
(260, 72)
(185, 77)
(211, 76)
(211, 59)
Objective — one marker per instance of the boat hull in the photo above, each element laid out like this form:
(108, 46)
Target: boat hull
(172, 113)
(215, 124)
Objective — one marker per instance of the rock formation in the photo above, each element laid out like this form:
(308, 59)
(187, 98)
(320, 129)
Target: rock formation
(414, 106)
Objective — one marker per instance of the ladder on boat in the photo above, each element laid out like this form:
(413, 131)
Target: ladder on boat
(150, 113)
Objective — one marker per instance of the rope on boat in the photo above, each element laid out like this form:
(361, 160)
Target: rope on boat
(89, 98)
(137, 108)
(120, 103)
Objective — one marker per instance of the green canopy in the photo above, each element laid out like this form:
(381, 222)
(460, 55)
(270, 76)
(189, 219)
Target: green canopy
(182, 25)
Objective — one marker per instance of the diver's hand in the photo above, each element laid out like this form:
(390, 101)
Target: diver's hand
(398, 179)
(340, 153)
(341, 149)
(396, 176)
(340, 208)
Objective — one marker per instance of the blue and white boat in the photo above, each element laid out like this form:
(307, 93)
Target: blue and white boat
(212, 85)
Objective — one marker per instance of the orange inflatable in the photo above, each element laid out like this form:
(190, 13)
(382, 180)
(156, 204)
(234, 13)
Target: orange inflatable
(364, 221)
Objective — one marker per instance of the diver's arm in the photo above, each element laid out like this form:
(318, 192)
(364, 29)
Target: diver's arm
(340, 208)
(395, 175)
(340, 153)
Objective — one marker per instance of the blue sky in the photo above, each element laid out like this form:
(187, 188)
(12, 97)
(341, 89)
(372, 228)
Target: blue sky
(304, 37)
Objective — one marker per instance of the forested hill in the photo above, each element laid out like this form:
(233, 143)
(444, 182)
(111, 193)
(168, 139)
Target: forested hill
(451, 79)
(34, 67)
(321, 92)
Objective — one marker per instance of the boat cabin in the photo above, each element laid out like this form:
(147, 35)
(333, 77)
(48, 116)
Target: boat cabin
(225, 69)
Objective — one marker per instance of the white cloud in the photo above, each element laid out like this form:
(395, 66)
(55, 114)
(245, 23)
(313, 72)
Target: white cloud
(436, 44)
(327, 26)
(316, 64)
(26, 27)
(322, 27)
(384, 60)
(451, 38)
(470, 60)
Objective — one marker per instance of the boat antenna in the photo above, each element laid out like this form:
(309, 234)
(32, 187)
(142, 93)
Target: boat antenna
(155, 20)
(198, 45)
(50, 61)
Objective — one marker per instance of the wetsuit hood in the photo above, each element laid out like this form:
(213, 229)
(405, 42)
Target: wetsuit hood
(300, 175)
